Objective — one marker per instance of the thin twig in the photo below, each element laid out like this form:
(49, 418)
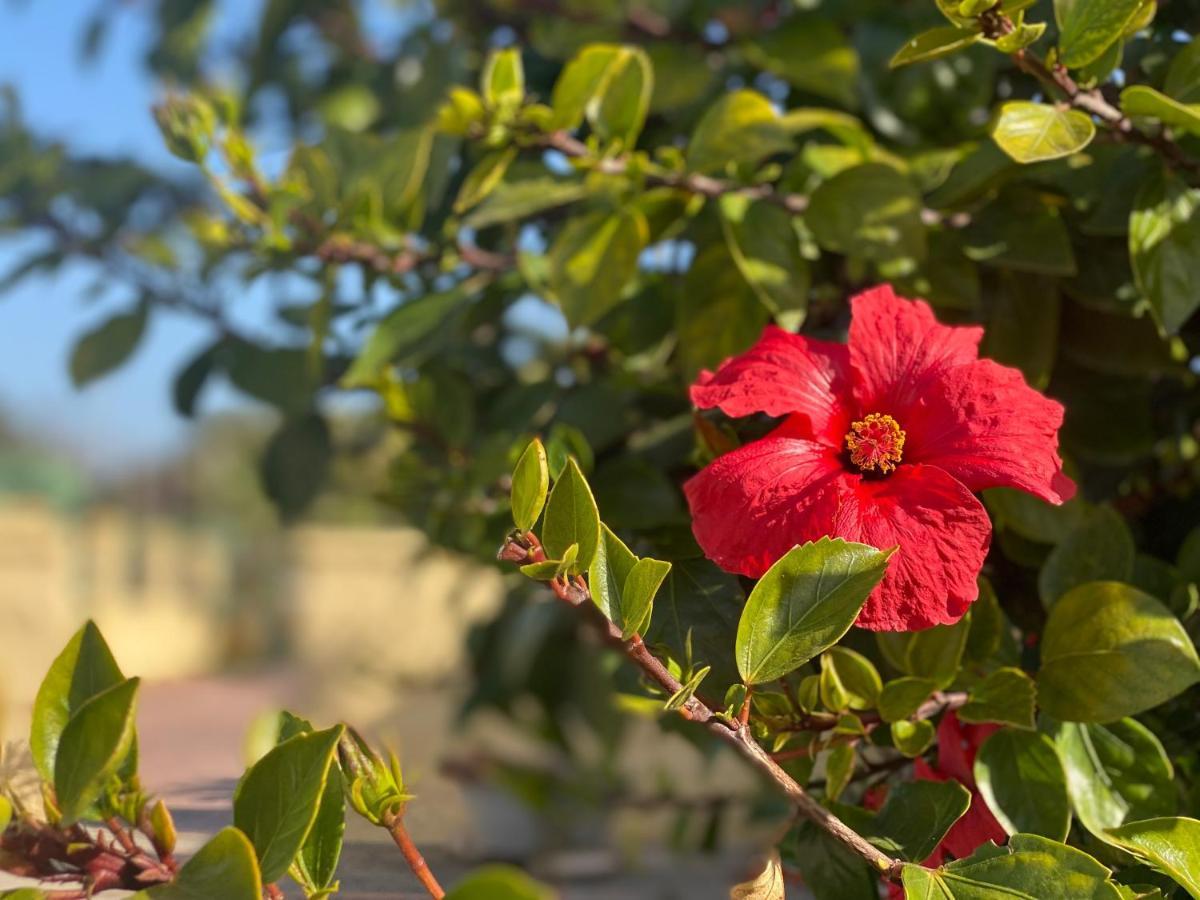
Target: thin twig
(416, 862)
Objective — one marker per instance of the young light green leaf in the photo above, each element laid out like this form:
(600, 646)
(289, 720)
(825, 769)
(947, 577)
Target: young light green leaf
(637, 596)
(482, 179)
(901, 697)
(839, 768)
(316, 864)
(6, 813)
(1110, 651)
(804, 604)
(742, 128)
(1089, 27)
(1116, 773)
(1030, 868)
(1033, 132)
(680, 698)
(225, 867)
(530, 484)
(1099, 549)
(1006, 696)
(611, 85)
(95, 744)
(1140, 100)
(503, 79)
(912, 738)
(1171, 845)
(514, 200)
(934, 44)
(572, 518)
(857, 681)
(1023, 782)
(82, 670)
(278, 799)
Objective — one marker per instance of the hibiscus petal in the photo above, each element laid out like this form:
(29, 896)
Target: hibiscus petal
(985, 426)
(752, 505)
(958, 743)
(783, 373)
(943, 533)
(898, 348)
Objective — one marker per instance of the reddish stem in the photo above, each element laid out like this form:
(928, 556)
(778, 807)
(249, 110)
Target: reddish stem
(413, 857)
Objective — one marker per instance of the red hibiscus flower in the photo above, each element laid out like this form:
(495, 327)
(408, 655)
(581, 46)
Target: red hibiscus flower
(957, 745)
(884, 440)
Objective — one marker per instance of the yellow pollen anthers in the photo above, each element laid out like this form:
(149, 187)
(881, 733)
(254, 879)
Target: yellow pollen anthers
(876, 442)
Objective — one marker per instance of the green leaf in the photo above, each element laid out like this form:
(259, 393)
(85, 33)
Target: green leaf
(765, 246)
(637, 597)
(912, 738)
(82, 670)
(1116, 773)
(1032, 518)
(839, 768)
(742, 128)
(1099, 549)
(1171, 845)
(296, 462)
(804, 604)
(1033, 132)
(1026, 34)
(1164, 247)
(811, 53)
(1021, 231)
(530, 484)
(95, 744)
(499, 882)
(870, 211)
(1140, 100)
(1089, 27)
(1023, 783)
(278, 799)
(1110, 651)
(609, 84)
(934, 44)
(934, 653)
(1029, 868)
(1006, 696)
(572, 518)
(484, 178)
(714, 290)
(855, 676)
(316, 864)
(592, 260)
(225, 867)
(831, 871)
(680, 698)
(1183, 77)
(6, 813)
(916, 816)
(105, 347)
(514, 200)
(1023, 326)
(503, 79)
(405, 337)
(901, 697)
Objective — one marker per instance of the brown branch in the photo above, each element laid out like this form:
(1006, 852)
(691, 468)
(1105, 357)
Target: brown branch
(395, 826)
(576, 594)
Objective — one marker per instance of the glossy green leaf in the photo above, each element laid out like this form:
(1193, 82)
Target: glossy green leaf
(1026, 34)
(316, 864)
(503, 79)
(1164, 247)
(870, 211)
(1140, 100)
(1116, 773)
(934, 44)
(609, 84)
(1022, 780)
(831, 871)
(856, 678)
(1110, 651)
(530, 485)
(94, 745)
(1033, 132)
(1171, 845)
(680, 698)
(1099, 549)
(592, 261)
(742, 128)
(916, 816)
(499, 882)
(933, 653)
(1029, 868)
(714, 290)
(913, 738)
(572, 518)
(1006, 697)
(637, 596)
(839, 768)
(765, 246)
(224, 867)
(107, 346)
(902, 697)
(804, 604)
(511, 201)
(1020, 230)
(484, 178)
(279, 798)
(1089, 27)
(82, 670)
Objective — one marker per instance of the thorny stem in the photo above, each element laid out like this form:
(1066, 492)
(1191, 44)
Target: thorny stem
(735, 734)
(416, 862)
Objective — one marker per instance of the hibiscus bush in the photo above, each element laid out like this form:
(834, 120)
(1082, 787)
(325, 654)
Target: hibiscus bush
(832, 363)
